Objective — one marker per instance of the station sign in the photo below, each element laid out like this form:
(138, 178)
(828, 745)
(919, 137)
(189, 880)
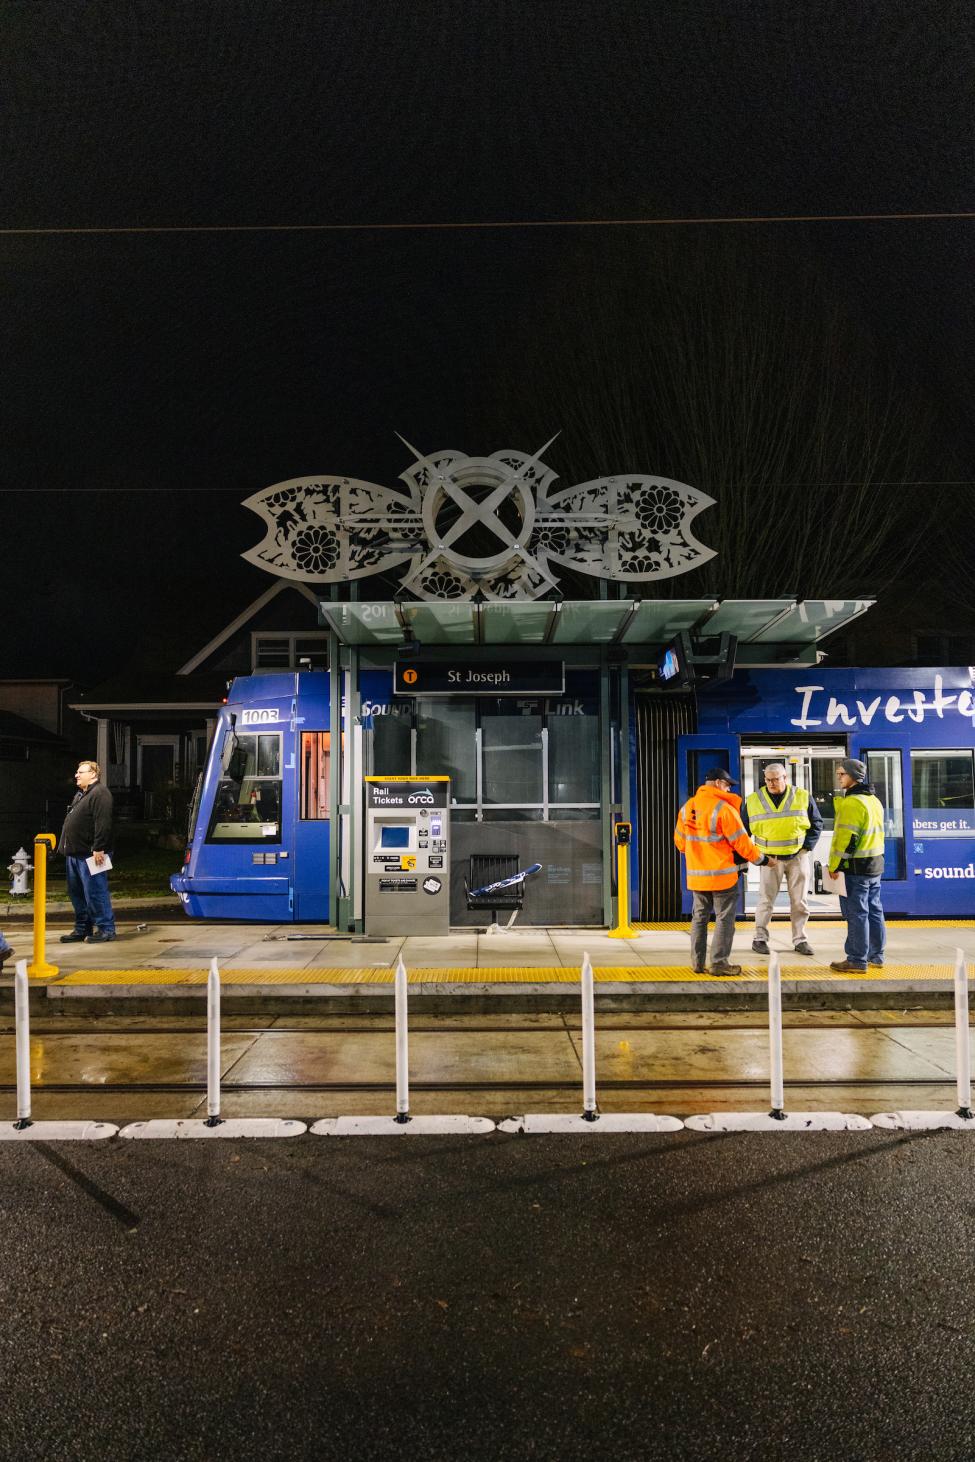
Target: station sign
(479, 677)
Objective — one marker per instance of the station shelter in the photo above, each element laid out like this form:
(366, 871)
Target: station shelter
(553, 724)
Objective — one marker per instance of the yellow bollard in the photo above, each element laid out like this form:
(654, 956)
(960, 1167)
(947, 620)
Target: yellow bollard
(624, 929)
(39, 967)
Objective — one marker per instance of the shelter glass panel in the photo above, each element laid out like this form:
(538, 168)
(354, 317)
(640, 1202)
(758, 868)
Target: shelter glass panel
(391, 744)
(445, 744)
(573, 759)
(512, 750)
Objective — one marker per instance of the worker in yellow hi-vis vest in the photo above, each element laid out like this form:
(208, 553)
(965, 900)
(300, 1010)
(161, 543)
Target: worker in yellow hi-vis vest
(784, 822)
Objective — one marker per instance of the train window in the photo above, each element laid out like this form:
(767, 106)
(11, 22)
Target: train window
(885, 776)
(943, 788)
(315, 759)
(247, 805)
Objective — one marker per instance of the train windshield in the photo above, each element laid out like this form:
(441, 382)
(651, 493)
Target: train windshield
(247, 805)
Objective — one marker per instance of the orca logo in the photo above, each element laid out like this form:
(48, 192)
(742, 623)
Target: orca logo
(256, 716)
(426, 797)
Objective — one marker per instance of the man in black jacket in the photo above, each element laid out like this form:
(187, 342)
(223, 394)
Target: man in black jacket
(87, 833)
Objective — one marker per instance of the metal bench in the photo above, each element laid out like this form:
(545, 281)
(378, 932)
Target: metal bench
(485, 870)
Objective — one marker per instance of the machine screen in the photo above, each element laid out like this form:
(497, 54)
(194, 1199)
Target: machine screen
(395, 837)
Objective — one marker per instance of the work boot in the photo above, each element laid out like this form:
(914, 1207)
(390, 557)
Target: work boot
(724, 970)
(843, 967)
(760, 946)
(100, 936)
(77, 936)
(804, 947)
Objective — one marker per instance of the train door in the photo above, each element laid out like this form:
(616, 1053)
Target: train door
(312, 750)
(812, 767)
(695, 756)
(888, 758)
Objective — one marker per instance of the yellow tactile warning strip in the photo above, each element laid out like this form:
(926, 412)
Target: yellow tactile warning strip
(672, 928)
(495, 975)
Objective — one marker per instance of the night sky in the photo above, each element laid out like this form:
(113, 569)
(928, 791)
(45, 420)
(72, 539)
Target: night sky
(153, 380)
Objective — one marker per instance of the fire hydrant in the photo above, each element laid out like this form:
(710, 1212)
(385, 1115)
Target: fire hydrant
(20, 870)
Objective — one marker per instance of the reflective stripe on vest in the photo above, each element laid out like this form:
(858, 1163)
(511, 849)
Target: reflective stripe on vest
(863, 817)
(792, 817)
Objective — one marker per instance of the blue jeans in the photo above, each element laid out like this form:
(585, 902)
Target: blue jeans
(90, 898)
(3, 942)
(866, 934)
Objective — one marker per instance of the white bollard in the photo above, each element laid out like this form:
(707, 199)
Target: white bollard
(963, 1119)
(25, 1129)
(402, 1123)
(22, 1022)
(778, 1119)
(213, 1045)
(588, 1044)
(963, 1042)
(775, 1038)
(590, 1119)
(402, 1044)
(214, 1125)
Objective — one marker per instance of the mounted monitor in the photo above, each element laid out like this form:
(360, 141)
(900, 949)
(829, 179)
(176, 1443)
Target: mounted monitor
(698, 660)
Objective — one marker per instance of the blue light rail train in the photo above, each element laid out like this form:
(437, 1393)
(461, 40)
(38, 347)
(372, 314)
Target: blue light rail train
(545, 777)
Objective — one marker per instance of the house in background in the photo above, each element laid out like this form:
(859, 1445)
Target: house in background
(41, 738)
(152, 730)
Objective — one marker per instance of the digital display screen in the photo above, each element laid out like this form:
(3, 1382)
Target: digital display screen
(394, 837)
(669, 667)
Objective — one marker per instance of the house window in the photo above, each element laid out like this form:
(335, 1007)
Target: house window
(282, 651)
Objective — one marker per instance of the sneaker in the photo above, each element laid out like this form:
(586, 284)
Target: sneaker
(843, 967)
(77, 936)
(726, 970)
(760, 946)
(804, 947)
(100, 937)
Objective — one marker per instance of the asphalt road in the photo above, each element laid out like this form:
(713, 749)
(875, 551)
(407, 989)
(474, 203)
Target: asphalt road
(687, 1297)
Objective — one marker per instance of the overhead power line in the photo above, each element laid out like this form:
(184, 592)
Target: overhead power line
(241, 228)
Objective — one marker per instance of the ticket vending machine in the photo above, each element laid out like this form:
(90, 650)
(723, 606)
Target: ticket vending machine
(407, 855)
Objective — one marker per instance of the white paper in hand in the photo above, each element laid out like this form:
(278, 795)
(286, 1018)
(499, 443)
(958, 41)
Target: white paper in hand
(101, 867)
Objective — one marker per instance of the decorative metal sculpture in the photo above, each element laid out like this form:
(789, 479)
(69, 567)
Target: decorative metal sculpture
(488, 526)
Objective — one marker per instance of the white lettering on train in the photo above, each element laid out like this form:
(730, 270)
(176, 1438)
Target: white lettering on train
(896, 707)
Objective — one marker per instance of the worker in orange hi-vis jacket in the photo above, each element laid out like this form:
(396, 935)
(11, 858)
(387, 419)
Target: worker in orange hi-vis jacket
(712, 837)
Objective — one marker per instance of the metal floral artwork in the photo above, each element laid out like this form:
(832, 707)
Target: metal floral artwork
(489, 527)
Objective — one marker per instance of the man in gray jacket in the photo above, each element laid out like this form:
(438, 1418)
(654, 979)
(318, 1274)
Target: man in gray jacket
(87, 833)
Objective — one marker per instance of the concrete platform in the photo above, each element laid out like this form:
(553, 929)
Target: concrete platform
(164, 965)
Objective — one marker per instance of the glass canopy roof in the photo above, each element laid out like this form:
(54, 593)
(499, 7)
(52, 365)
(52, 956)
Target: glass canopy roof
(590, 621)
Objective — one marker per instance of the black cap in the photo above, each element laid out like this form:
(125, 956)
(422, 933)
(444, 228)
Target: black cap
(718, 774)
